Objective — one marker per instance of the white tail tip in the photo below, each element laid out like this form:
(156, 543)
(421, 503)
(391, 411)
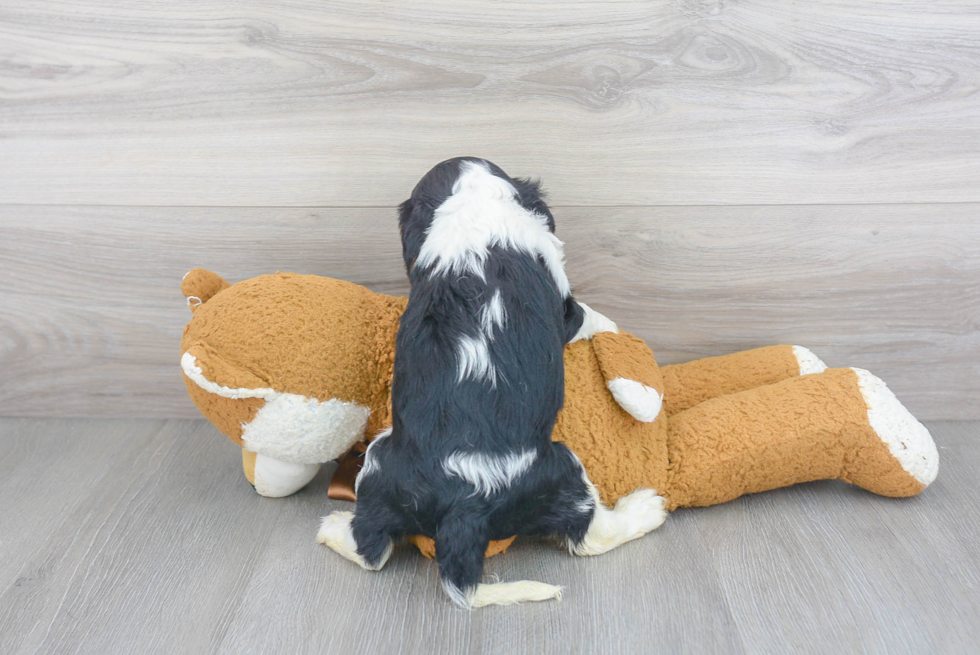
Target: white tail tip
(502, 593)
(511, 593)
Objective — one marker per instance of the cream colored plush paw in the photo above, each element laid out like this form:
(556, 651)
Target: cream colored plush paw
(275, 478)
(809, 363)
(908, 441)
(511, 593)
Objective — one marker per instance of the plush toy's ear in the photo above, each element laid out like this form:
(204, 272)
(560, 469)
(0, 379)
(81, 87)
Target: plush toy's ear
(199, 285)
(631, 374)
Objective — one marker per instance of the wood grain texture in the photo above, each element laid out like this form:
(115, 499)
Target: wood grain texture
(305, 103)
(789, 573)
(342, 606)
(143, 536)
(93, 314)
(154, 547)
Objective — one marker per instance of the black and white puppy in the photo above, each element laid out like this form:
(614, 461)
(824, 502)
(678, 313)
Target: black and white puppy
(478, 382)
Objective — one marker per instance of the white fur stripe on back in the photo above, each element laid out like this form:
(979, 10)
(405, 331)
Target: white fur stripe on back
(489, 473)
(473, 359)
(483, 212)
(493, 314)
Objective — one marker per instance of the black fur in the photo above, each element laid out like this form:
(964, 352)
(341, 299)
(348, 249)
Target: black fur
(435, 414)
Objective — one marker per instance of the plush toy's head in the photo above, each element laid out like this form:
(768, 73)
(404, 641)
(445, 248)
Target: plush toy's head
(293, 367)
(297, 369)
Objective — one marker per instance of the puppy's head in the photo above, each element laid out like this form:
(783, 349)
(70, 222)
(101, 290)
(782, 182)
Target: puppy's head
(446, 179)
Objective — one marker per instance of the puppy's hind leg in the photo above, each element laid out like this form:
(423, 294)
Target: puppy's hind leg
(460, 547)
(366, 536)
(633, 516)
(589, 526)
(364, 544)
(336, 532)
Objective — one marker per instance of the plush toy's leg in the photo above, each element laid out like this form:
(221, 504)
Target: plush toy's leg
(842, 423)
(686, 385)
(275, 478)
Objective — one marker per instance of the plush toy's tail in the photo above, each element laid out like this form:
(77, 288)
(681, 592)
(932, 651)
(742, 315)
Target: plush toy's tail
(199, 285)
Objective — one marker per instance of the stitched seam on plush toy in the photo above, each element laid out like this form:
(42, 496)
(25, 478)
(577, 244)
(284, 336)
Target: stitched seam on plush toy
(189, 365)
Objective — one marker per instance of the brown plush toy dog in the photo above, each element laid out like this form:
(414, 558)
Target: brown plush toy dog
(296, 369)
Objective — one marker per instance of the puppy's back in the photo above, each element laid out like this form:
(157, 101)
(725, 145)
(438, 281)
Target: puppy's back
(479, 352)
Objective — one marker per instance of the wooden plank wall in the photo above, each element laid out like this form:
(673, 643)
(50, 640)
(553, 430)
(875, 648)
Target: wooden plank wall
(725, 175)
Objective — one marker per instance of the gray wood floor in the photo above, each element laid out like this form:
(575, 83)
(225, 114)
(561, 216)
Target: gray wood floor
(141, 536)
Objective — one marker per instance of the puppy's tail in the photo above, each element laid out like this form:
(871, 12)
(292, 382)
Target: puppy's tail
(511, 593)
(460, 546)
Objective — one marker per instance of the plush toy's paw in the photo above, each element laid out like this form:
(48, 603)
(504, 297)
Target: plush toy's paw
(907, 440)
(809, 363)
(274, 478)
(633, 516)
(593, 323)
(641, 402)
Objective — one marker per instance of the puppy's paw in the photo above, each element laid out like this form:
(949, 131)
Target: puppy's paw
(643, 511)
(334, 527)
(632, 517)
(335, 531)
